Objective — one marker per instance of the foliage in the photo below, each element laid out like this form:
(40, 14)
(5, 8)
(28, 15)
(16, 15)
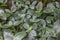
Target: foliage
(30, 20)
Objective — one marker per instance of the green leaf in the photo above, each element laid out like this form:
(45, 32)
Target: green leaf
(19, 36)
(57, 26)
(32, 35)
(8, 35)
(1, 37)
(34, 20)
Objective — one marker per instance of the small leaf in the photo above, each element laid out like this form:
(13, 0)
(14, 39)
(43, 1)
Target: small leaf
(7, 35)
(32, 35)
(19, 36)
(26, 25)
(57, 26)
(34, 20)
(39, 6)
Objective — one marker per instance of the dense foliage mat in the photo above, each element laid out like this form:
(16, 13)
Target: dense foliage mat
(29, 20)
